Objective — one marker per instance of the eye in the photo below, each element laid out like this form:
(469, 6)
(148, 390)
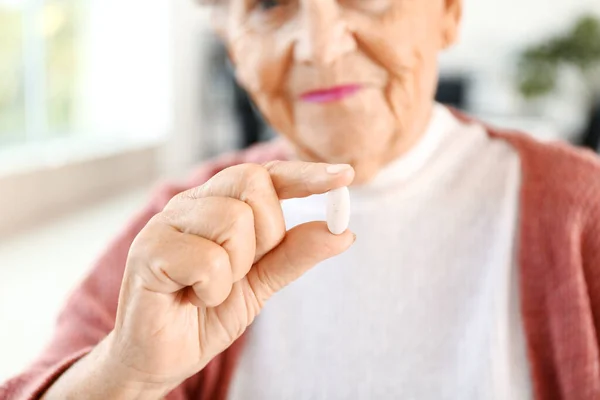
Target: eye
(268, 4)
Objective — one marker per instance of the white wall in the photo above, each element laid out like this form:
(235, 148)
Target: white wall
(126, 87)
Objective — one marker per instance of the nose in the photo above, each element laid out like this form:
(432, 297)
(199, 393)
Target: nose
(322, 35)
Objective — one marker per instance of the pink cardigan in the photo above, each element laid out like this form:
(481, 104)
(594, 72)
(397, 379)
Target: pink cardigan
(559, 257)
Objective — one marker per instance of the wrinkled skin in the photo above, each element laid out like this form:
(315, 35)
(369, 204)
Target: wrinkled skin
(284, 48)
(199, 273)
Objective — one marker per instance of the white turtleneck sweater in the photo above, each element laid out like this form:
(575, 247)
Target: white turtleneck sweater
(425, 305)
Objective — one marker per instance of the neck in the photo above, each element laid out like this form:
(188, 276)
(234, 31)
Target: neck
(368, 167)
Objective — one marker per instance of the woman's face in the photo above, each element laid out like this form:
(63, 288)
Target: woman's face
(346, 81)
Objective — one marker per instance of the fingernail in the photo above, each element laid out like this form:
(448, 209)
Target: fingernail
(337, 168)
(354, 235)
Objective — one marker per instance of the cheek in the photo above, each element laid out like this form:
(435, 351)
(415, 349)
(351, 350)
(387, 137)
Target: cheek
(261, 62)
(403, 46)
(400, 40)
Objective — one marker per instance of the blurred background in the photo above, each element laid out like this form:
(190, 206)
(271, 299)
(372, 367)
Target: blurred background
(100, 99)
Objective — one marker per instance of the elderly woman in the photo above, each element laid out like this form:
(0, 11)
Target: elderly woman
(470, 270)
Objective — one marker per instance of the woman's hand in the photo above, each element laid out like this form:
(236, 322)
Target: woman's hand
(201, 270)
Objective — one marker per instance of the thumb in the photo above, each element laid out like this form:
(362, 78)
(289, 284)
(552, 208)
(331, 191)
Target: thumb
(303, 247)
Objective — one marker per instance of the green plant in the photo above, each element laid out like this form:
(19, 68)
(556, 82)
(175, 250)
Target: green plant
(539, 65)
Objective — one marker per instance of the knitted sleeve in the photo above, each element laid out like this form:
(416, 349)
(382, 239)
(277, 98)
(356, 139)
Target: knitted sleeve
(590, 253)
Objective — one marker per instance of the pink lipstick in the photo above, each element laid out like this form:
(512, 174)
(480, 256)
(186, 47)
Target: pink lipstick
(331, 94)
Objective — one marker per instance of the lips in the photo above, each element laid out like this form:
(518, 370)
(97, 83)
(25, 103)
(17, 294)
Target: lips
(330, 94)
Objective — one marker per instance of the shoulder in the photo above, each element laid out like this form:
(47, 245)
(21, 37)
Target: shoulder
(258, 154)
(560, 190)
(554, 171)
(557, 171)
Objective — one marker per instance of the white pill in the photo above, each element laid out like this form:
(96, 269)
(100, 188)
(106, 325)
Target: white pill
(338, 210)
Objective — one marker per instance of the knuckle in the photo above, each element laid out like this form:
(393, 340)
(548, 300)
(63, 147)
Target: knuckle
(272, 165)
(138, 254)
(217, 263)
(255, 177)
(197, 192)
(240, 214)
(158, 265)
(251, 169)
(169, 216)
(251, 178)
(149, 257)
(244, 171)
(174, 201)
(144, 243)
(155, 221)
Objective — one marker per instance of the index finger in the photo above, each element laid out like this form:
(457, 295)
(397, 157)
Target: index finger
(296, 179)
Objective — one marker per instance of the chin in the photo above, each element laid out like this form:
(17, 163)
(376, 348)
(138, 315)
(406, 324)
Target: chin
(360, 123)
(364, 174)
(365, 167)
(345, 137)
(365, 149)
(338, 145)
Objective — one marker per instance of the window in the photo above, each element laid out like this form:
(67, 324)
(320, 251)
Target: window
(40, 68)
(84, 71)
